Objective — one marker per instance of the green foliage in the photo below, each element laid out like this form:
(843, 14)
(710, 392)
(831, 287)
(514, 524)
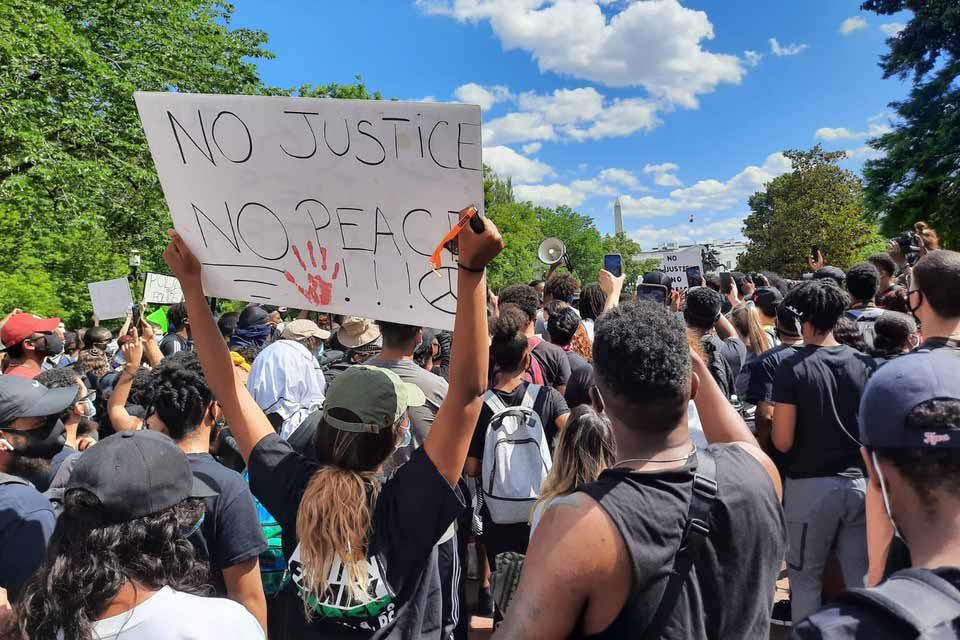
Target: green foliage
(917, 177)
(817, 203)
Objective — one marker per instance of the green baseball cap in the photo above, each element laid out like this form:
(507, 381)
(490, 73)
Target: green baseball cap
(377, 395)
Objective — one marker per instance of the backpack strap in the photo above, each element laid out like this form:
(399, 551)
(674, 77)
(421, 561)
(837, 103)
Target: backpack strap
(918, 597)
(492, 400)
(530, 396)
(696, 530)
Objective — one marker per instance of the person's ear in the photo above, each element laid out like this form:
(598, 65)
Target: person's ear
(871, 469)
(694, 384)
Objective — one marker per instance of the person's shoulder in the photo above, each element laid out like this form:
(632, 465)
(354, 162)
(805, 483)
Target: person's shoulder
(847, 621)
(232, 615)
(544, 348)
(208, 466)
(22, 499)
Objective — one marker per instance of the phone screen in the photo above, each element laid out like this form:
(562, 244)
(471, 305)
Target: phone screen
(613, 262)
(694, 277)
(652, 292)
(726, 282)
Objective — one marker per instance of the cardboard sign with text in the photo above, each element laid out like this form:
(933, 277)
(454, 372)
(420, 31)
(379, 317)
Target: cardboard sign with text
(332, 205)
(161, 289)
(676, 263)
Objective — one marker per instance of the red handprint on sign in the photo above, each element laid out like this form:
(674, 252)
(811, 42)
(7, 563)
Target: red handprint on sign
(318, 290)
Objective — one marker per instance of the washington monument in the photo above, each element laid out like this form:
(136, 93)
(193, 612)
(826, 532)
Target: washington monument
(617, 216)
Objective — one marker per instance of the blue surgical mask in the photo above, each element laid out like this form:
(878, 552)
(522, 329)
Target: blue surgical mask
(407, 439)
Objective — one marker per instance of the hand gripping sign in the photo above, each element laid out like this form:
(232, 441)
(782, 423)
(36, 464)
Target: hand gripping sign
(334, 205)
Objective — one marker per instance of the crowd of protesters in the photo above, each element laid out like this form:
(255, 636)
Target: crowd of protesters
(612, 462)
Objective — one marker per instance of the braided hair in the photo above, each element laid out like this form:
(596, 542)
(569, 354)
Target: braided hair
(821, 303)
(180, 394)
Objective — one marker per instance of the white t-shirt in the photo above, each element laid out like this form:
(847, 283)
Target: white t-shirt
(174, 615)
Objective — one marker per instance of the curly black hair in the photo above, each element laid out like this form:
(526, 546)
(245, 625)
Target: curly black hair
(60, 378)
(641, 354)
(524, 296)
(508, 346)
(250, 352)
(180, 395)
(228, 323)
(892, 332)
(90, 558)
(820, 302)
(703, 308)
(929, 469)
(562, 287)
(847, 332)
(863, 281)
(592, 300)
(937, 275)
(562, 325)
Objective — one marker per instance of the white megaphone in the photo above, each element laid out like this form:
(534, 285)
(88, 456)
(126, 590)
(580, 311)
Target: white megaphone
(551, 251)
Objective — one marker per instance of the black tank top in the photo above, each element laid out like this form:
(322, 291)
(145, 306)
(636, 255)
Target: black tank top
(729, 591)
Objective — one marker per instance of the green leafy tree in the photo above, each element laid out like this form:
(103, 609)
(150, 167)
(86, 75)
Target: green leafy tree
(75, 169)
(917, 177)
(817, 203)
(579, 235)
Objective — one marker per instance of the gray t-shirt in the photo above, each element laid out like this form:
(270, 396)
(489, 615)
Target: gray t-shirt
(421, 418)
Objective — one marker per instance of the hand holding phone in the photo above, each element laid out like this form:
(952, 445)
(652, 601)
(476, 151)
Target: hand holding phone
(613, 262)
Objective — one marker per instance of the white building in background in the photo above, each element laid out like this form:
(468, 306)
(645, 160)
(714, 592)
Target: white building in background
(617, 216)
(728, 251)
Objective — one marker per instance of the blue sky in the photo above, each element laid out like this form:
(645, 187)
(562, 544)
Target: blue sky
(678, 107)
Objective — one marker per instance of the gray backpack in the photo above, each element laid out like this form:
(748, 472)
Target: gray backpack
(516, 458)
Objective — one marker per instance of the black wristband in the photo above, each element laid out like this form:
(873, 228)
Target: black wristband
(471, 270)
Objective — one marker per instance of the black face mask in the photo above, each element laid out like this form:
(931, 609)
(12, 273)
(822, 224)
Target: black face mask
(45, 441)
(49, 345)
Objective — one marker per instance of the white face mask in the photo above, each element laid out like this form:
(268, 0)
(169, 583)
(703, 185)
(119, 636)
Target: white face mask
(883, 491)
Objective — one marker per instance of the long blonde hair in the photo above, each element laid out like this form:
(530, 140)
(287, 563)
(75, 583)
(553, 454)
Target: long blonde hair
(335, 516)
(746, 319)
(585, 447)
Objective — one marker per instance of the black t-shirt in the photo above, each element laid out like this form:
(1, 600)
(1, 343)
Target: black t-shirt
(553, 361)
(825, 385)
(548, 405)
(729, 591)
(734, 351)
(230, 532)
(414, 509)
(762, 371)
(576, 361)
(849, 621)
(578, 388)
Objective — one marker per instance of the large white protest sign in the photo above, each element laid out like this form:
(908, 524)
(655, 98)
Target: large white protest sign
(161, 289)
(318, 203)
(110, 298)
(676, 263)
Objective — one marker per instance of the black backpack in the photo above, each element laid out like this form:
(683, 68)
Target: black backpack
(917, 598)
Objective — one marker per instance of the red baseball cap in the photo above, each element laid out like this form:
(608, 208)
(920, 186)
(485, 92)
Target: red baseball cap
(23, 325)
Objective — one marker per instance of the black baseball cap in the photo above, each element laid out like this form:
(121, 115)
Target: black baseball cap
(897, 388)
(135, 474)
(23, 398)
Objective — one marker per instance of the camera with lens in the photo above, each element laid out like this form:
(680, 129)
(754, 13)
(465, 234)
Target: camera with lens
(911, 244)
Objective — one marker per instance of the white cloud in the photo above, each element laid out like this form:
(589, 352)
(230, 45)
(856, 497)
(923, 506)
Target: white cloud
(708, 195)
(571, 114)
(875, 128)
(752, 58)
(508, 163)
(486, 97)
(850, 25)
(621, 177)
(785, 50)
(533, 147)
(892, 29)
(650, 236)
(866, 152)
(549, 195)
(654, 45)
(664, 174)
